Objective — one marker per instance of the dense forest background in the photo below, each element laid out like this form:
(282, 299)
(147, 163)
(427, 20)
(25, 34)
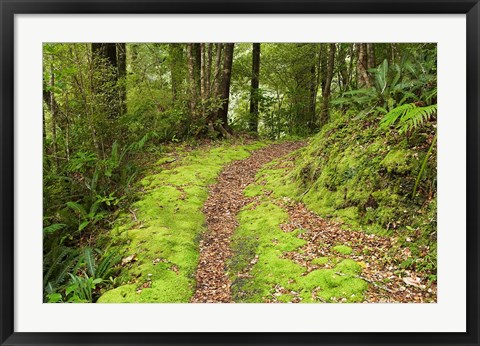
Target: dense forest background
(368, 111)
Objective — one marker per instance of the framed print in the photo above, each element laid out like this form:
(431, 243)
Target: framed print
(246, 172)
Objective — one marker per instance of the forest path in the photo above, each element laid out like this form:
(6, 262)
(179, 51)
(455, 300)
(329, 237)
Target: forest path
(225, 200)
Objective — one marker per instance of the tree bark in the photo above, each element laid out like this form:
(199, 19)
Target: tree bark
(176, 51)
(342, 66)
(216, 73)
(225, 85)
(53, 113)
(108, 53)
(324, 115)
(362, 66)
(371, 55)
(254, 96)
(122, 73)
(208, 72)
(192, 80)
(203, 78)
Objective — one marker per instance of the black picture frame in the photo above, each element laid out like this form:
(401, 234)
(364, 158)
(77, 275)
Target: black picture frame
(9, 8)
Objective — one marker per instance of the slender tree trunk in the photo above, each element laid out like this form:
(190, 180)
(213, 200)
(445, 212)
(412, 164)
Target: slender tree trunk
(216, 73)
(45, 100)
(203, 78)
(67, 129)
(215, 85)
(313, 97)
(176, 54)
(225, 87)
(323, 64)
(362, 66)
(53, 113)
(342, 66)
(371, 55)
(197, 53)
(122, 73)
(324, 116)
(254, 96)
(208, 72)
(350, 67)
(192, 81)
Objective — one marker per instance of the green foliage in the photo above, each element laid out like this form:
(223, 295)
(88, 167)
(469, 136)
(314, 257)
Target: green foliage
(58, 262)
(65, 284)
(81, 288)
(408, 116)
(398, 89)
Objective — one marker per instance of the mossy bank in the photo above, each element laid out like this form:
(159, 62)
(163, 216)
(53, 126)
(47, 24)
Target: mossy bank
(162, 230)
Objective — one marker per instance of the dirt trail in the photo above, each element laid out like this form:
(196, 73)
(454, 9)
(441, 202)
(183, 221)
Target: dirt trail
(221, 208)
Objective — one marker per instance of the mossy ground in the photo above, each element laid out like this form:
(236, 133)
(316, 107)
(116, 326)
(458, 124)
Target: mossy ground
(168, 221)
(349, 172)
(363, 176)
(260, 273)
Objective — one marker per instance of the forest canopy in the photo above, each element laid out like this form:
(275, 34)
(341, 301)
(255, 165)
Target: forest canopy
(116, 116)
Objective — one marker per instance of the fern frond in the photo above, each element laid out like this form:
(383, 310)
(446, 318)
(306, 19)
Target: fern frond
(397, 113)
(89, 261)
(416, 117)
(76, 207)
(409, 116)
(106, 264)
(53, 228)
(59, 262)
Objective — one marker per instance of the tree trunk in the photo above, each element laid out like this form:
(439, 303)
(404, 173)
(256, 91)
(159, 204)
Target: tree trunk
(53, 112)
(216, 73)
(350, 67)
(176, 51)
(362, 65)
(122, 73)
(254, 94)
(208, 72)
(197, 53)
(225, 86)
(371, 55)
(324, 115)
(107, 52)
(203, 78)
(342, 67)
(192, 81)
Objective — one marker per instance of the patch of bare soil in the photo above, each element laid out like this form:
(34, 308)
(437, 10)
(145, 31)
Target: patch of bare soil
(221, 208)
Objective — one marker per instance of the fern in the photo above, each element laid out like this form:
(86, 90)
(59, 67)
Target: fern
(77, 207)
(408, 116)
(105, 267)
(53, 228)
(58, 263)
(89, 261)
(417, 117)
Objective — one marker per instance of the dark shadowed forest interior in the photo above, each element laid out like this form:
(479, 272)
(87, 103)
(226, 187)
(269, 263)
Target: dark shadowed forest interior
(239, 172)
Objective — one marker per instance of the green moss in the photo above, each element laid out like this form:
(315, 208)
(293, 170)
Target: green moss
(329, 286)
(348, 266)
(253, 190)
(397, 161)
(260, 241)
(343, 249)
(285, 298)
(320, 260)
(169, 222)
